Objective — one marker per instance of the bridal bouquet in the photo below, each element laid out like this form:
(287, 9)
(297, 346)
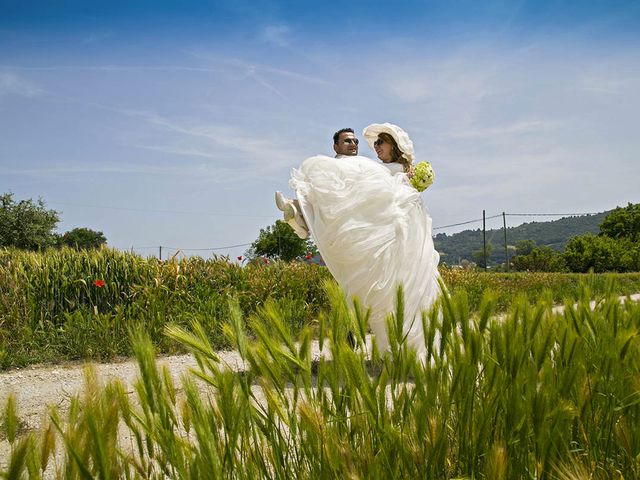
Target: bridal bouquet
(423, 176)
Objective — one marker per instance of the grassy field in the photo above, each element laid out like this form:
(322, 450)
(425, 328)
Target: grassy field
(536, 395)
(66, 305)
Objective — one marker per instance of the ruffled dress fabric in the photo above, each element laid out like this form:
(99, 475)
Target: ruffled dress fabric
(374, 234)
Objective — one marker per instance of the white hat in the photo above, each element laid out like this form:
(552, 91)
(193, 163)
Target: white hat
(405, 144)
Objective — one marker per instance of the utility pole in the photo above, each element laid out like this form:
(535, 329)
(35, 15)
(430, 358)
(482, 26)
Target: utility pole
(160, 253)
(484, 238)
(506, 250)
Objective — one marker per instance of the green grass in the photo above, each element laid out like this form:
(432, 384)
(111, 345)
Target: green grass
(51, 310)
(532, 395)
(535, 285)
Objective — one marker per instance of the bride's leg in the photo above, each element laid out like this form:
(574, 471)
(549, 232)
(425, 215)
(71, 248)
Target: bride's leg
(302, 229)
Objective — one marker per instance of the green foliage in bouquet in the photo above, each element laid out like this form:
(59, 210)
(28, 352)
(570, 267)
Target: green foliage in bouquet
(423, 176)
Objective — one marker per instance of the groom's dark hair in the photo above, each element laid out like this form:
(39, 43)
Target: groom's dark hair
(336, 136)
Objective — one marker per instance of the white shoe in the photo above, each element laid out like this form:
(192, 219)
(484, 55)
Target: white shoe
(287, 207)
(281, 201)
(292, 216)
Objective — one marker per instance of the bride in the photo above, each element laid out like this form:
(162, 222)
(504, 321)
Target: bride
(372, 229)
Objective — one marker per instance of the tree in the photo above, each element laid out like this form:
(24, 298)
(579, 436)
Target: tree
(26, 224)
(539, 259)
(615, 249)
(478, 256)
(623, 223)
(83, 239)
(630, 258)
(591, 252)
(525, 247)
(278, 241)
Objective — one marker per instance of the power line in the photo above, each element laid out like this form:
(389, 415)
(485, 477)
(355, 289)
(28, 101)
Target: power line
(466, 223)
(517, 215)
(458, 224)
(205, 249)
(549, 214)
(287, 236)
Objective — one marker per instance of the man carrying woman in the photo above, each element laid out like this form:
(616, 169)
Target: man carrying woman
(372, 229)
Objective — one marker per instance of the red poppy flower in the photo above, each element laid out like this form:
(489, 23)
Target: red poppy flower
(239, 258)
(99, 283)
(309, 256)
(266, 260)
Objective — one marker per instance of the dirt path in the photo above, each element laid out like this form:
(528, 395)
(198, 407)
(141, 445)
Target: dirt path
(36, 387)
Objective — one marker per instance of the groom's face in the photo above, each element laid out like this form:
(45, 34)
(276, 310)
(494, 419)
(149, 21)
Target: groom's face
(347, 144)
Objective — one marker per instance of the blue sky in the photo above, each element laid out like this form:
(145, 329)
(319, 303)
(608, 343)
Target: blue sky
(172, 123)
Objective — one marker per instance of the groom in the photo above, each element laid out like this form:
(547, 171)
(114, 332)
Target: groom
(345, 144)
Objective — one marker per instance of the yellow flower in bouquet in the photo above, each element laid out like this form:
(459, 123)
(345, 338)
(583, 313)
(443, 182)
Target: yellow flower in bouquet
(423, 176)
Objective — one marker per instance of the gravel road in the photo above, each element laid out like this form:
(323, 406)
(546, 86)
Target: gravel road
(37, 387)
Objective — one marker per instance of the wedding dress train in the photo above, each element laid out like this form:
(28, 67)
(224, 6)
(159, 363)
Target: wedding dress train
(374, 234)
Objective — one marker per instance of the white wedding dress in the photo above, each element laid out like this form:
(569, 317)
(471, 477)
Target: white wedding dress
(374, 233)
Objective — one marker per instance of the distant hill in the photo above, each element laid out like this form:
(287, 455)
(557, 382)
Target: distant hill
(555, 234)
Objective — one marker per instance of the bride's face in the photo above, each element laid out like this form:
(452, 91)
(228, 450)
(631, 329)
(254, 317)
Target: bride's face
(383, 150)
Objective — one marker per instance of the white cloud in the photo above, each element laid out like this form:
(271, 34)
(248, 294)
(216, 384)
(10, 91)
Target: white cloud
(251, 72)
(267, 76)
(96, 37)
(260, 153)
(194, 173)
(500, 131)
(256, 67)
(277, 35)
(410, 89)
(604, 84)
(460, 78)
(510, 104)
(115, 68)
(11, 84)
(90, 169)
(182, 151)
